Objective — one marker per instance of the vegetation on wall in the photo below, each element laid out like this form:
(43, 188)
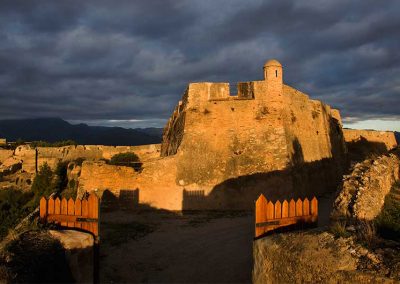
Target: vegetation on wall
(128, 159)
(35, 144)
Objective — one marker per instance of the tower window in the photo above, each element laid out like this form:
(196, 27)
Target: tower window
(276, 73)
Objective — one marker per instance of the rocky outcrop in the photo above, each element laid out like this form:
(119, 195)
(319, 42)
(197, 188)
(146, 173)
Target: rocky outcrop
(79, 249)
(317, 257)
(5, 154)
(363, 192)
(10, 166)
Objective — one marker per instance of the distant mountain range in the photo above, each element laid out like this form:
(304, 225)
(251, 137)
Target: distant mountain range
(57, 129)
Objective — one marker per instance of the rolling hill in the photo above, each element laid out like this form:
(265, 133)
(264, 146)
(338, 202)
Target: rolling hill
(57, 129)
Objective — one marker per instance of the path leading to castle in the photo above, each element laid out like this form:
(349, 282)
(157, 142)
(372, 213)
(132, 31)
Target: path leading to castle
(164, 247)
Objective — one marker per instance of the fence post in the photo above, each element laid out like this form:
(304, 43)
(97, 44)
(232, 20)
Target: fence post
(299, 208)
(78, 211)
(43, 208)
(292, 208)
(71, 211)
(306, 207)
(314, 206)
(260, 214)
(285, 209)
(278, 210)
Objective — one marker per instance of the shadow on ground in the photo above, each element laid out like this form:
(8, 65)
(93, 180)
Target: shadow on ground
(160, 246)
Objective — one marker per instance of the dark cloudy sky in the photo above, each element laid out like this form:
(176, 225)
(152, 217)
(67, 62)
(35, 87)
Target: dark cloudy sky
(128, 62)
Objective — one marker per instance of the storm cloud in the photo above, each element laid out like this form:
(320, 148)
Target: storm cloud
(128, 62)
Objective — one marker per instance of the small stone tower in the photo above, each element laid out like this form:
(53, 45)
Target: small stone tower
(273, 77)
(273, 71)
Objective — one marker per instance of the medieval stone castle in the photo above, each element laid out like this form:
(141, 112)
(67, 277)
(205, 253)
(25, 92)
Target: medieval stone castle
(221, 151)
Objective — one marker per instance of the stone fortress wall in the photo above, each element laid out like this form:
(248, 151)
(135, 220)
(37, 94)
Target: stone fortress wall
(268, 138)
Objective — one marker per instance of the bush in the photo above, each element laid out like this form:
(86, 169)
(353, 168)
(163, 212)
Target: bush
(128, 159)
(15, 204)
(338, 229)
(12, 208)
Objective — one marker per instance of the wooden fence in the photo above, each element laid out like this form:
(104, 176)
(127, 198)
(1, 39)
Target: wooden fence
(82, 214)
(270, 216)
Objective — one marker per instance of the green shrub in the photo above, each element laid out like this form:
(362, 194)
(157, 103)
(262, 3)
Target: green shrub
(128, 159)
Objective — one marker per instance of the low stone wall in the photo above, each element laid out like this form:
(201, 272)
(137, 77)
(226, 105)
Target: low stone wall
(52, 155)
(384, 137)
(155, 185)
(101, 176)
(362, 195)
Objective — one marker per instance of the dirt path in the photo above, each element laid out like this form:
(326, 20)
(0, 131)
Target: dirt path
(165, 247)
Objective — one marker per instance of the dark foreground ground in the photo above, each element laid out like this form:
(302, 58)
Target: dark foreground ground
(160, 246)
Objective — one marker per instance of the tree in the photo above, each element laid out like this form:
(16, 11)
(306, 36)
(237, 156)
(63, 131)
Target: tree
(42, 184)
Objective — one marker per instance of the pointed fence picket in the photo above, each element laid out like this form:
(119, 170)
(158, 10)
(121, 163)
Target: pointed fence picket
(80, 214)
(270, 216)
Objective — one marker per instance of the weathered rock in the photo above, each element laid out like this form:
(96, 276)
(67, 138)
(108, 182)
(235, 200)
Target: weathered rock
(10, 166)
(79, 250)
(311, 257)
(362, 194)
(5, 154)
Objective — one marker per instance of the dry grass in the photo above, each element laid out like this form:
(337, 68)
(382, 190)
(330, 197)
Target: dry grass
(338, 229)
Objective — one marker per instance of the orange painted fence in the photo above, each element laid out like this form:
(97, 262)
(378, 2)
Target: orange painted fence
(271, 216)
(82, 214)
